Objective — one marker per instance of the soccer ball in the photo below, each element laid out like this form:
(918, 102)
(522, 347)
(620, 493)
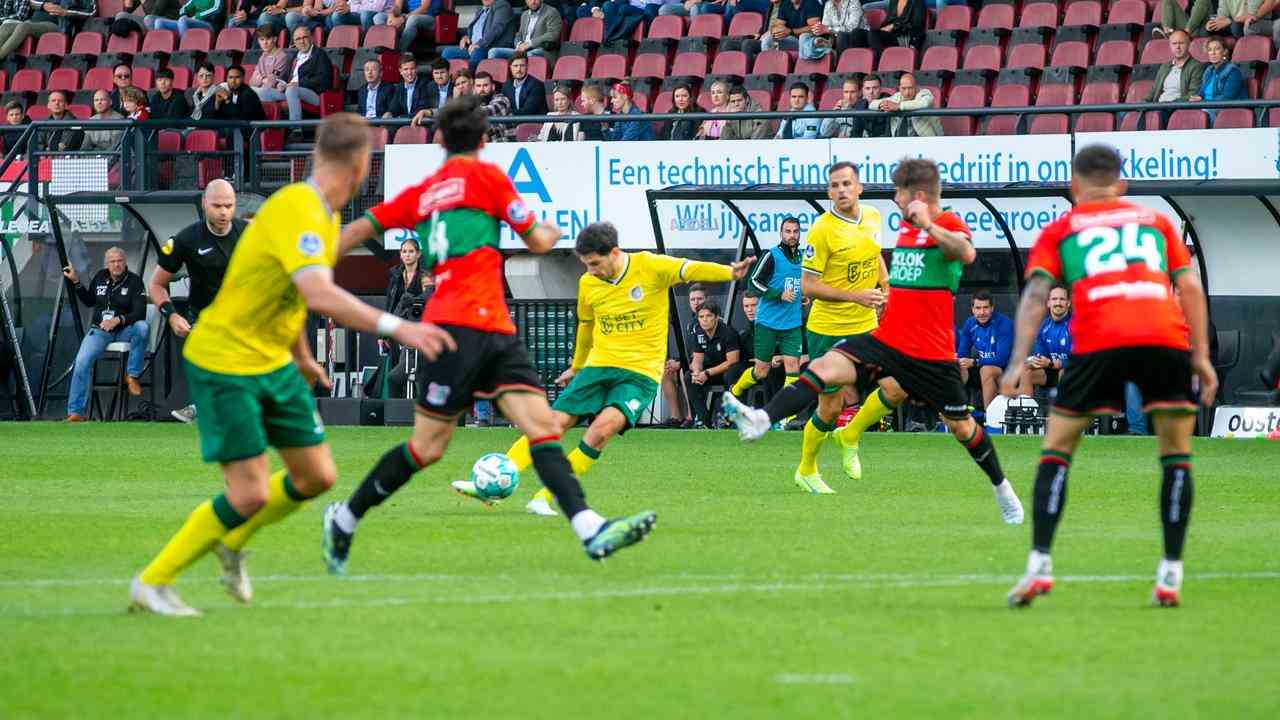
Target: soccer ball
(495, 476)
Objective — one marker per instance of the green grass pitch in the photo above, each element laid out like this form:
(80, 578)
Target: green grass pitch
(750, 600)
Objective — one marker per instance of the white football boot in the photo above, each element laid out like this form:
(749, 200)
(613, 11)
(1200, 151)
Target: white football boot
(1038, 580)
(158, 599)
(752, 423)
(1168, 589)
(1010, 507)
(235, 576)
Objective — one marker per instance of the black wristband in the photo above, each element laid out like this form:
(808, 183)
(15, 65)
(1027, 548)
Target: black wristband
(167, 309)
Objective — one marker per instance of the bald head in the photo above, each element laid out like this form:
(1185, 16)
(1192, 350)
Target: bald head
(1179, 45)
(219, 205)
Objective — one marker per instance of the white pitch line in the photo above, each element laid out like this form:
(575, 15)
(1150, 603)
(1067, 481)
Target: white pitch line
(835, 583)
(813, 679)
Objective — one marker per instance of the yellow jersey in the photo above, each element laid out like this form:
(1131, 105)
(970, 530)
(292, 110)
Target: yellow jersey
(258, 313)
(845, 254)
(629, 314)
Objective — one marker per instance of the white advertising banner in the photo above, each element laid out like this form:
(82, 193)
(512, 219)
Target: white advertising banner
(1245, 422)
(1243, 154)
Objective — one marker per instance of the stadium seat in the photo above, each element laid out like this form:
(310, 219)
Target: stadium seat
(538, 67)
(942, 58)
(87, 43)
(198, 40)
(689, 64)
(1252, 49)
(237, 39)
(956, 19)
(707, 25)
(666, 26)
(64, 79)
(159, 41)
(610, 66)
(1128, 12)
(110, 8)
(1229, 118)
(380, 36)
(746, 24)
(572, 67)
(1071, 54)
(494, 66)
(897, 58)
(778, 62)
(985, 57)
(128, 44)
(27, 80)
(1155, 52)
(411, 135)
(38, 112)
(1027, 56)
(100, 78)
(1053, 124)
(763, 98)
(144, 77)
(1098, 93)
(459, 64)
(963, 96)
(1187, 120)
(733, 62)
(181, 77)
(996, 16)
(1007, 95)
(1039, 15)
(342, 36)
(587, 31)
(820, 67)
(830, 97)
(80, 112)
(875, 18)
(1083, 13)
(1199, 49)
(1114, 53)
(54, 43)
(651, 65)
(1095, 122)
(663, 103)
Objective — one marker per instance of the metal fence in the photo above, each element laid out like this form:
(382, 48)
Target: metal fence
(548, 329)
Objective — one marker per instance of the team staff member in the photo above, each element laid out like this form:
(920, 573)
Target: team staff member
(205, 248)
(779, 322)
(716, 354)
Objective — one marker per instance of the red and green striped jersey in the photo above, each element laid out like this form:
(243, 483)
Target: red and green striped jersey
(455, 213)
(922, 288)
(1118, 259)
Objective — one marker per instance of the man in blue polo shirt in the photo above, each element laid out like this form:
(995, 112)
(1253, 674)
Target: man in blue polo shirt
(984, 342)
(1053, 345)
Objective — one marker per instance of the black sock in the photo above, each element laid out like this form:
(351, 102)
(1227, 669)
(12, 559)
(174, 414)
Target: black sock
(1175, 503)
(984, 453)
(795, 397)
(1050, 498)
(390, 474)
(557, 475)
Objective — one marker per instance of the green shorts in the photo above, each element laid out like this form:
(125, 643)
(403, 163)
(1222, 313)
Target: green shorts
(769, 342)
(595, 388)
(238, 416)
(819, 344)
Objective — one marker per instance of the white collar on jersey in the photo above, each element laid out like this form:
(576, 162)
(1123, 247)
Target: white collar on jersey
(312, 182)
(627, 266)
(855, 220)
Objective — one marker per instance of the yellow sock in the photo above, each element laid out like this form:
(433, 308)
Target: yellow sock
(282, 501)
(519, 454)
(204, 526)
(815, 433)
(580, 459)
(746, 381)
(785, 382)
(872, 411)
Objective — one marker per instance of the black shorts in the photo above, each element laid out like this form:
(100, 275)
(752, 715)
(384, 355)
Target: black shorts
(932, 382)
(1052, 375)
(485, 365)
(1095, 385)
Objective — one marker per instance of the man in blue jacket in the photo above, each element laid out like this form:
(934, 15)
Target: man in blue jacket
(1053, 345)
(984, 341)
(620, 99)
(494, 26)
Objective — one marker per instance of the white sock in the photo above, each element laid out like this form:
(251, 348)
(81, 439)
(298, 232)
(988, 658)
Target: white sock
(1038, 563)
(345, 519)
(1169, 566)
(586, 524)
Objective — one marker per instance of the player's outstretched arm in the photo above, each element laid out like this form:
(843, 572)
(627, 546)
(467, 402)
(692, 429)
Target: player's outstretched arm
(1197, 314)
(355, 233)
(542, 238)
(1031, 310)
(322, 296)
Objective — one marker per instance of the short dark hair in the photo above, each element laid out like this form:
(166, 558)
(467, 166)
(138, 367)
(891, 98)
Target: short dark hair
(869, 77)
(437, 64)
(918, 174)
(596, 239)
(789, 220)
(519, 55)
(697, 287)
(463, 123)
(1097, 164)
(739, 90)
(1060, 286)
(798, 85)
(710, 306)
(266, 31)
(843, 165)
(66, 96)
(164, 73)
(484, 75)
(206, 65)
(124, 65)
(14, 105)
(238, 68)
(982, 296)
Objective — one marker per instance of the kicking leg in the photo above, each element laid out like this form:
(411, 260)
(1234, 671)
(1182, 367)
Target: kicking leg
(1176, 492)
(606, 425)
(978, 443)
(834, 368)
(431, 435)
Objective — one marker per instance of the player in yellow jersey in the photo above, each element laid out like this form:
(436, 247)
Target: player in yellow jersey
(250, 369)
(846, 278)
(623, 316)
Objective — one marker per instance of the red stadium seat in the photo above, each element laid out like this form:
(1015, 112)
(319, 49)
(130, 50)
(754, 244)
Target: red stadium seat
(1098, 93)
(1127, 12)
(1188, 120)
(610, 66)
(110, 8)
(1039, 15)
(27, 80)
(1115, 53)
(746, 24)
(855, 60)
(342, 36)
(664, 103)
(494, 66)
(762, 98)
(1071, 53)
(998, 16)
(143, 77)
(80, 112)
(776, 62)
(538, 67)
(733, 62)
(1253, 49)
(666, 26)
(570, 67)
(1199, 49)
(1048, 125)
(1007, 95)
(87, 43)
(875, 18)
(100, 78)
(648, 65)
(380, 36)
(128, 44)
(181, 77)
(1026, 55)
(458, 64)
(1095, 122)
(196, 40)
(963, 96)
(1055, 94)
(53, 43)
(897, 58)
(821, 66)
(162, 41)
(954, 17)
(941, 57)
(707, 25)
(38, 112)
(64, 79)
(985, 57)
(237, 39)
(528, 131)
(1233, 118)
(411, 135)
(689, 64)
(1086, 13)
(1155, 52)
(587, 31)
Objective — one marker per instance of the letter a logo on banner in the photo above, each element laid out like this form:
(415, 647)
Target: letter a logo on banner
(533, 184)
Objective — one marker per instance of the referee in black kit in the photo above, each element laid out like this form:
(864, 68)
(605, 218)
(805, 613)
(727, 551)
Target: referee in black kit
(205, 248)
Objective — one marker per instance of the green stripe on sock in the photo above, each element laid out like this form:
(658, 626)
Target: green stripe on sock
(813, 379)
(546, 446)
(884, 400)
(589, 451)
(408, 456)
(1167, 460)
(292, 491)
(821, 426)
(1054, 453)
(793, 375)
(227, 515)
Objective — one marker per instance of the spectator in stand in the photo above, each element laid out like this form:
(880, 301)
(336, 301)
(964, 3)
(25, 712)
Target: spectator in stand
(121, 78)
(236, 101)
(905, 21)
(462, 83)
(716, 354)
(310, 73)
(741, 101)
(1178, 79)
(102, 140)
(792, 27)
(592, 104)
(843, 25)
(1053, 345)
(681, 102)
(1222, 79)
(150, 9)
(416, 98)
(414, 18)
(493, 27)
(1264, 21)
(1232, 17)
(727, 8)
(25, 18)
(719, 96)
(206, 14)
(798, 101)
(322, 13)
(247, 13)
(375, 97)
(369, 10)
(527, 94)
(620, 99)
(620, 18)
(984, 341)
(16, 120)
(495, 105)
(1174, 16)
(538, 34)
(845, 127)
(268, 75)
(166, 103)
(273, 16)
(135, 104)
(870, 127)
(119, 302)
(62, 140)
(200, 97)
(562, 104)
(909, 98)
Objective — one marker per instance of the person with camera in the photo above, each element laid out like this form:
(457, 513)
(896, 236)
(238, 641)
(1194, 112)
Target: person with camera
(119, 305)
(409, 286)
(204, 248)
